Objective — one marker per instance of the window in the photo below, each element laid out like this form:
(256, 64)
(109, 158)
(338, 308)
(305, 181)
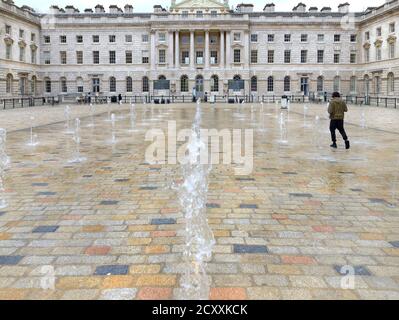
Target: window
(320, 56)
(96, 39)
(46, 56)
(200, 57)
(353, 37)
(254, 84)
(270, 84)
(47, 39)
(304, 56)
(145, 85)
(237, 36)
(9, 83)
(63, 57)
(8, 51)
(162, 56)
(112, 57)
(392, 27)
(270, 56)
(378, 54)
(22, 54)
(184, 84)
(112, 84)
(63, 39)
(200, 14)
(8, 29)
(129, 84)
(200, 39)
(367, 55)
(270, 38)
(336, 57)
(184, 14)
(367, 35)
(33, 37)
(96, 57)
(287, 84)
(304, 38)
(353, 85)
(392, 50)
(33, 85)
(21, 33)
(145, 56)
(213, 40)
(214, 83)
(379, 32)
(64, 88)
(162, 37)
(337, 38)
(79, 39)
(214, 13)
(128, 38)
(214, 57)
(47, 85)
(287, 38)
(33, 56)
(254, 37)
(320, 84)
(112, 38)
(337, 84)
(287, 56)
(185, 57)
(79, 84)
(254, 56)
(353, 57)
(237, 78)
(320, 37)
(79, 57)
(237, 56)
(377, 85)
(129, 57)
(391, 83)
(144, 38)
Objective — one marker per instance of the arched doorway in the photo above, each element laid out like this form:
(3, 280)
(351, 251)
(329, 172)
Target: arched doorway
(199, 86)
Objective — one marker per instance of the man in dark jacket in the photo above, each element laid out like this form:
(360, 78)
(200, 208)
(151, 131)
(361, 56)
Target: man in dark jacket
(337, 109)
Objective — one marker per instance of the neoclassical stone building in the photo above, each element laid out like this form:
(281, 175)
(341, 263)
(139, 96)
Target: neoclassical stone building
(199, 44)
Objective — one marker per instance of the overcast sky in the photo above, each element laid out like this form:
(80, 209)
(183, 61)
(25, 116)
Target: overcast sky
(146, 5)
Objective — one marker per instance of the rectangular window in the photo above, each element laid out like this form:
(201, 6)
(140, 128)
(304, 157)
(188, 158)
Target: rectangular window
(112, 57)
(128, 38)
(353, 37)
(392, 50)
(96, 57)
(185, 57)
(270, 38)
(320, 56)
(22, 54)
(214, 13)
(33, 56)
(270, 56)
(47, 39)
(320, 37)
(184, 14)
(304, 38)
(237, 36)
(145, 56)
(337, 38)
(79, 57)
(378, 54)
(367, 55)
(8, 52)
(129, 57)
(48, 86)
(21, 34)
(200, 57)
(304, 56)
(80, 89)
(200, 14)
(213, 39)
(33, 37)
(79, 39)
(392, 27)
(254, 37)
(63, 39)
(287, 56)
(353, 57)
(162, 37)
(145, 38)
(64, 88)
(96, 39)
(112, 38)
(379, 32)
(63, 57)
(214, 57)
(336, 57)
(254, 56)
(237, 56)
(367, 35)
(162, 56)
(8, 29)
(46, 56)
(287, 38)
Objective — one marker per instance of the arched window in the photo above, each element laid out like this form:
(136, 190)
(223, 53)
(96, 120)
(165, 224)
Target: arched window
(237, 77)
(129, 84)
(112, 84)
(320, 84)
(254, 84)
(9, 83)
(214, 83)
(391, 83)
(63, 84)
(79, 84)
(270, 84)
(161, 78)
(287, 84)
(337, 84)
(184, 84)
(47, 85)
(33, 85)
(146, 85)
(353, 85)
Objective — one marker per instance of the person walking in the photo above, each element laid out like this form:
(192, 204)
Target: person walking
(337, 109)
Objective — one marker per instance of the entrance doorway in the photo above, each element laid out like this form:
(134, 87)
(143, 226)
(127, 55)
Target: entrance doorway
(305, 86)
(199, 87)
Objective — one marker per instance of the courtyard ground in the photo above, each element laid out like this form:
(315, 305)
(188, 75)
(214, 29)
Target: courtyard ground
(111, 227)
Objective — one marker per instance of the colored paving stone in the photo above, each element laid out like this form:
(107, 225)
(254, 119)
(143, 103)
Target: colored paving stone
(394, 244)
(98, 250)
(238, 248)
(45, 229)
(358, 270)
(163, 221)
(109, 202)
(10, 260)
(154, 293)
(112, 270)
(45, 193)
(248, 206)
(228, 294)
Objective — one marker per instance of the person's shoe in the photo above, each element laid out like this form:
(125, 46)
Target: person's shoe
(347, 144)
(334, 145)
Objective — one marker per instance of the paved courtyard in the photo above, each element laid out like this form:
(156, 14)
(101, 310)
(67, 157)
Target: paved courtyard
(111, 227)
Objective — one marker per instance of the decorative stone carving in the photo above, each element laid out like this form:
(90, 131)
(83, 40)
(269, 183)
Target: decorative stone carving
(378, 43)
(8, 40)
(22, 43)
(391, 39)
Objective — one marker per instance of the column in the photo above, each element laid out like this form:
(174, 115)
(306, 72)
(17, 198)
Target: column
(222, 49)
(171, 49)
(177, 50)
(246, 50)
(206, 49)
(153, 56)
(228, 49)
(192, 49)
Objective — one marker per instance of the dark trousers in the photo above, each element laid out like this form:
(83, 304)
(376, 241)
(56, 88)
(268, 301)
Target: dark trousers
(337, 125)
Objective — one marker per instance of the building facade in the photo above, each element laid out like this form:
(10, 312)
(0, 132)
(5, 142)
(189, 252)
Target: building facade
(199, 44)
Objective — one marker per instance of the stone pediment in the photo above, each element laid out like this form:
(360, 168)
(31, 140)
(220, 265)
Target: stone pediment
(199, 4)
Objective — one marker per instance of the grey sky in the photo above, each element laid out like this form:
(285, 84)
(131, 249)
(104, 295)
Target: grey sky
(146, 6)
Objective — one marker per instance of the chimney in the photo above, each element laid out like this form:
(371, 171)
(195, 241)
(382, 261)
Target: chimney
(70, 9)
(344, 7)
(313, 9)
(158, 8)
(54, 10)
(114, 9)
(245, 8)
(270, 7)
(128, 8)
(326, 10)
(28, 9)
(99, 9)
(88, 10)
(301, 7)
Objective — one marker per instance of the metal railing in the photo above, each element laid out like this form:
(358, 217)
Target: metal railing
(14, 103)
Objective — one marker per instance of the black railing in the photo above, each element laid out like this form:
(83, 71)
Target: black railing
(14, 103)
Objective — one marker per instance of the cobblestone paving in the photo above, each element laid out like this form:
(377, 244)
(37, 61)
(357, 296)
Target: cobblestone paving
(111, 228)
